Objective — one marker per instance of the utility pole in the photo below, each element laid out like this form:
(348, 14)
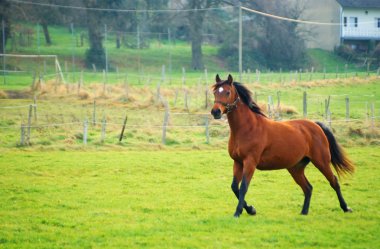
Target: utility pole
(105, 48)
(3, 28)
(240, 43)
(72, 50)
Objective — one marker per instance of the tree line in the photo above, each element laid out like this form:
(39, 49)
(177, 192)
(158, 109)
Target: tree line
(267, 43)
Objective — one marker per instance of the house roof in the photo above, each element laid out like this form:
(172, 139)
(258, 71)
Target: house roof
(359, 3)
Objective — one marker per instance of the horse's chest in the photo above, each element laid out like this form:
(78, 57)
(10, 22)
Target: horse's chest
(237, 152)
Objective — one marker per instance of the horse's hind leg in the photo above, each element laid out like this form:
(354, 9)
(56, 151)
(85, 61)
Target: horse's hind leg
(325, 169)
(238, 175)
(298, 174)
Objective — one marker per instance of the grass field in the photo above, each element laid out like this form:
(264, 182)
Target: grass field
(176, 199)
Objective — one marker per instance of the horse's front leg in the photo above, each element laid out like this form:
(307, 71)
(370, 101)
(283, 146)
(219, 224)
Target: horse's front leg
(248, 170)
(238, 174)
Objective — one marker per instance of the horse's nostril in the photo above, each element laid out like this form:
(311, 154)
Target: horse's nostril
(216, 113)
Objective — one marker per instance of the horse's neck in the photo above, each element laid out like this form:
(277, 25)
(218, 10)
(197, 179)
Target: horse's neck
(241, 119)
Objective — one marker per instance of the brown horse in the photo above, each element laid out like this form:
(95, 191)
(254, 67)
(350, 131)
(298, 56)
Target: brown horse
(257, 142)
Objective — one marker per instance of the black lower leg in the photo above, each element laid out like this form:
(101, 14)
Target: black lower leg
(342, 202)
(235, 188)
(242, 191)
(306, 203)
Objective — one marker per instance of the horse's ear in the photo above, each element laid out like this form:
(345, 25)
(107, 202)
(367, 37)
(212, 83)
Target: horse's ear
(230, 80)
(217, 78)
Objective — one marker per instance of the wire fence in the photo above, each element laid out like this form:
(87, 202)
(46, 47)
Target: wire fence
(47, 123)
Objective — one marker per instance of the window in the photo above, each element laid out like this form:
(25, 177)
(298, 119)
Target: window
(377, 22)
(353, 22)
(345, 21)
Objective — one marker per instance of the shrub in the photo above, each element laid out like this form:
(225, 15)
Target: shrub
(346, 52)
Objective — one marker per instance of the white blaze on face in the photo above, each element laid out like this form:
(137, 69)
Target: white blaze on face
(220, 89)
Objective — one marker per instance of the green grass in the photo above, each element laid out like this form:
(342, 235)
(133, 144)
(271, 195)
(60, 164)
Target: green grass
(176, 199)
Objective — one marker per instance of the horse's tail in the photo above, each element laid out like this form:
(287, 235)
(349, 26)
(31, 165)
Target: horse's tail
(339, 159)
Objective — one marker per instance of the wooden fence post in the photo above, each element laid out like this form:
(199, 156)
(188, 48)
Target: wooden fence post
(163, 75)
(22, 135)
(104, 124)
(186, 100)
(165, 123)
(304, 104)
(327, 106)
(123, 128)
(35, 108)
(206, 99)
(368, 64)
(311, 73)
(207, 130)
(94, 113)
(80, 82)
(278, 113)
(270, 104)
(29, 124)
(329, 118)
(85, 130)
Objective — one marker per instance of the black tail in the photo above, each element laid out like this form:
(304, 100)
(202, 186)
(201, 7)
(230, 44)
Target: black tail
(339, 159)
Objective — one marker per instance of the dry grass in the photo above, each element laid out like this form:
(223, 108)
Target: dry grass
(3, 95)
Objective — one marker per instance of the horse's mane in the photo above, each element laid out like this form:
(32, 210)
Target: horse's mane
(245, 96)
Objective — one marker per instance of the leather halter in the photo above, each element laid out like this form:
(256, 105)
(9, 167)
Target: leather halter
(230, 106)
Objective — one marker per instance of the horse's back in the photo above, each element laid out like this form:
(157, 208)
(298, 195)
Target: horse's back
(290, 142)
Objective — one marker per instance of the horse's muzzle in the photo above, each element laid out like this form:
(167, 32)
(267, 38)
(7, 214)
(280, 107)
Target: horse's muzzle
(216, 113)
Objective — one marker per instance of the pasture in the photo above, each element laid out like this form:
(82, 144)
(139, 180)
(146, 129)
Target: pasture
(176, 199)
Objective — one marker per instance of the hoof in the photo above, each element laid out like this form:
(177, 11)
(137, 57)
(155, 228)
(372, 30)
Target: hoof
(251, 210)
(304, 213)
(237, 214)
(349, 210)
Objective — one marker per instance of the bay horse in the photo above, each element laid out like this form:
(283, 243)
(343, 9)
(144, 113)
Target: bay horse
(257, 142)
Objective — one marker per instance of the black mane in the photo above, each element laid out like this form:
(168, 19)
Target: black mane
(245, 96)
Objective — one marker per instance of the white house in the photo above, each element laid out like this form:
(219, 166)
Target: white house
(360, 23)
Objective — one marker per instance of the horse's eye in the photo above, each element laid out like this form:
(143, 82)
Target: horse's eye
(228, 93)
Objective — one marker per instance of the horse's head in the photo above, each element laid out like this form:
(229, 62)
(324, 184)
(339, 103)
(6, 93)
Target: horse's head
(226, 97)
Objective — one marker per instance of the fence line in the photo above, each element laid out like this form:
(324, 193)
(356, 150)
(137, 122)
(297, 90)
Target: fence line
(19, 106)
(169, 126)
